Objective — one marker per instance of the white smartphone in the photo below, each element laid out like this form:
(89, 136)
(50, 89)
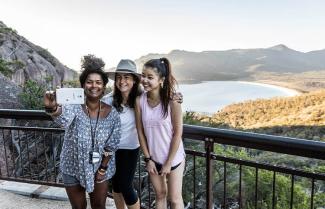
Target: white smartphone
(70, 96)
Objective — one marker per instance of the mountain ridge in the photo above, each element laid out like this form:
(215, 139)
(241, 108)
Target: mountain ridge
(239, 64)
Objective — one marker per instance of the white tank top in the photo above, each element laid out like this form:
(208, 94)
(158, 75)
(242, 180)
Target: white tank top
(129, 137)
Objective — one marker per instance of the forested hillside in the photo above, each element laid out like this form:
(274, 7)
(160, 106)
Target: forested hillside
(301, 116)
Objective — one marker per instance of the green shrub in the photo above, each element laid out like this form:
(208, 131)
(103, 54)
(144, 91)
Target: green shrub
(7, 30)
(32, 95)
(4, 68)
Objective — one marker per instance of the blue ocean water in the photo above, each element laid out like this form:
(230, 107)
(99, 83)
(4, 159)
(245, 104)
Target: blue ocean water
(209, 97)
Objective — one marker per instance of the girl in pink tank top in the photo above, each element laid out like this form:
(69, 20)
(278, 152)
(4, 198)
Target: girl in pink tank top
(159, 124)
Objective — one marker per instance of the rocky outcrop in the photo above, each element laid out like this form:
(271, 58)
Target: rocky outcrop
(29, 61)
(9, 94)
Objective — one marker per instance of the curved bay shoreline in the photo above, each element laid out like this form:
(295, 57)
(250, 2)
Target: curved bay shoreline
(208, 97)
(289, 91)
(282, 85)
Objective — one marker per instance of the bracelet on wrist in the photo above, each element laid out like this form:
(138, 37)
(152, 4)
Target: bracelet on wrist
(102, 173)
(147, 159)
(102, 170)
(101, 167)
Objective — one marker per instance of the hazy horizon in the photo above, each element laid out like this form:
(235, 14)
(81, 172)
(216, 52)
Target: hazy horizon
(129, 29)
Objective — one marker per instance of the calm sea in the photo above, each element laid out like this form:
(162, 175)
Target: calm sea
(209, 97)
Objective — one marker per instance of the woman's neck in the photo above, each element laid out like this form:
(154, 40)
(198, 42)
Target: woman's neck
(125, 96)
(154, 95)
(93, 105)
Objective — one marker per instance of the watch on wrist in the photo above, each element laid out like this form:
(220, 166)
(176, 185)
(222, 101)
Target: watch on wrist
(108, 153)
(147, 159)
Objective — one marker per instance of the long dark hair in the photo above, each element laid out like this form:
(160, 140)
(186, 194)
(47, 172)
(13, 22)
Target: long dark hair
(164, 70)
(135, 91)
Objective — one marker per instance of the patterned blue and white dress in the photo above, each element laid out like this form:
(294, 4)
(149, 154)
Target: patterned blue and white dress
(74, 159)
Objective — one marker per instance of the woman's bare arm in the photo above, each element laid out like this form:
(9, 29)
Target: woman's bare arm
(139, 125)
(177, 122)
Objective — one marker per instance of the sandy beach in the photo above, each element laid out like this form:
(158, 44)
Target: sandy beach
(289, 91)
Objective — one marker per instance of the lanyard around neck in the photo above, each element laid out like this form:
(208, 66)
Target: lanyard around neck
(93, 131)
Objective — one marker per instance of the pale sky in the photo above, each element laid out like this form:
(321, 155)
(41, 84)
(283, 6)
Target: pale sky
(116, 29)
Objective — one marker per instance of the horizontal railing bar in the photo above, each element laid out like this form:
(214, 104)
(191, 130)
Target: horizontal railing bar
(25, 128)
(269, 167)
(264, 166)
(195, 153)
(279, 144)
(24, 114)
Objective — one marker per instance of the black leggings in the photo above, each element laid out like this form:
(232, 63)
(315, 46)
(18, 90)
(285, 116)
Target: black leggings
(126, 163)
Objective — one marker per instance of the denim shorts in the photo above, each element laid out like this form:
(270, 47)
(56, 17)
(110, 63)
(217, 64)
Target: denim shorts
(69, 180)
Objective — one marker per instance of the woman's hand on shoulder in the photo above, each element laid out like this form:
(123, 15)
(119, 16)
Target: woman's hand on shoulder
(178, 97)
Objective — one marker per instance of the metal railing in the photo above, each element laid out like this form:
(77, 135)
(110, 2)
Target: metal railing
(212, 178)
(285, 145)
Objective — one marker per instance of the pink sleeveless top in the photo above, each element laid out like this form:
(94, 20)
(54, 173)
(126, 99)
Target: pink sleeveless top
(159, 132)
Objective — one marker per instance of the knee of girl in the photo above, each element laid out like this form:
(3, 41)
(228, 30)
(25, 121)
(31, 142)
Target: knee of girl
(161, 194)
(176, 199)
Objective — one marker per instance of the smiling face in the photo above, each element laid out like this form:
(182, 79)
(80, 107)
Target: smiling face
(150, 79)
(94, 86)
(124, 82)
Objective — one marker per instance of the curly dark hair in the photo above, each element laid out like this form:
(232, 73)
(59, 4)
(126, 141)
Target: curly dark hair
(92, 64)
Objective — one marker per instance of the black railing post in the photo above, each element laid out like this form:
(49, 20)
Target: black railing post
(209, 172)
